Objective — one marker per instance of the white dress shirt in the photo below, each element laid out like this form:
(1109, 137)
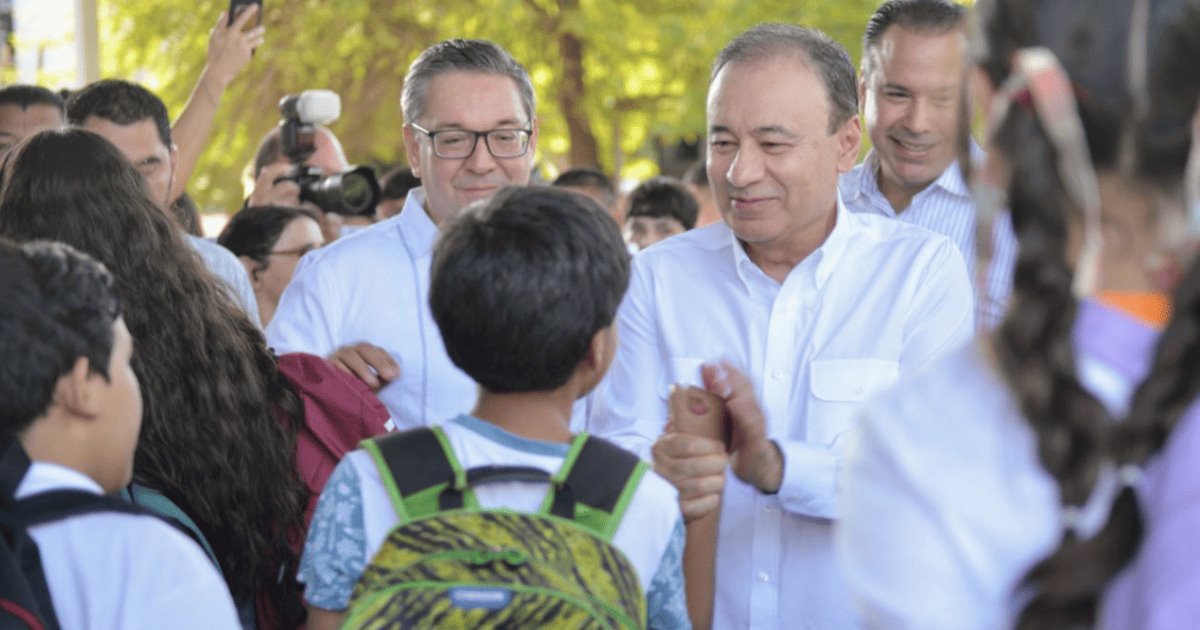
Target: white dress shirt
(946, 207)
(373, 286)
(946, 503)
(225, 266)
(879, 298)
(117, 570)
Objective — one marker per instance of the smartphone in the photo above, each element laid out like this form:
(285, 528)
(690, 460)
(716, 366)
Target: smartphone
(237, 6)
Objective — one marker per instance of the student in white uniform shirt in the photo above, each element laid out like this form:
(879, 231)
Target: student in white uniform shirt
(569, 273)
(70, 398)
(470, 128)
(913, 77)
(1010, 484)
(820, 307)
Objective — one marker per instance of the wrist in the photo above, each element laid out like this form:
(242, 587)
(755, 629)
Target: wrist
(212, 86)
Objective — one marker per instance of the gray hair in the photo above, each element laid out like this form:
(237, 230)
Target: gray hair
(831, 61)
(461, 55)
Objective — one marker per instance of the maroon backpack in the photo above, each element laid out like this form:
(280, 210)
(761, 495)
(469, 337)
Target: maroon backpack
(339, 412)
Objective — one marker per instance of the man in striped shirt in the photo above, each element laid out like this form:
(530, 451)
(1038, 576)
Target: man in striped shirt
(913, 69)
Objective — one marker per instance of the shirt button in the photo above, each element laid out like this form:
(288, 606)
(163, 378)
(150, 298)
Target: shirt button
(777, 374)
(764, 577)
(858, 389)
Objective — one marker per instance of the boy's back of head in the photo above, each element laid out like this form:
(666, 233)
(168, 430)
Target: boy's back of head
(59, 306)
(522, 283)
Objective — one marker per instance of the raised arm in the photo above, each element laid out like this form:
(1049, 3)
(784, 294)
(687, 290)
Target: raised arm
(229, 51)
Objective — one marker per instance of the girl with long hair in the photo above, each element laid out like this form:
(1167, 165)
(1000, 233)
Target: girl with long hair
(211, 441)
(1002, 488)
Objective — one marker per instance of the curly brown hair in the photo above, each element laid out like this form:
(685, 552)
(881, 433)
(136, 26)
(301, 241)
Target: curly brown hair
(211, 440)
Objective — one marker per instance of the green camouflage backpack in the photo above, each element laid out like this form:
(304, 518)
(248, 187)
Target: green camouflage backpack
(449, 563)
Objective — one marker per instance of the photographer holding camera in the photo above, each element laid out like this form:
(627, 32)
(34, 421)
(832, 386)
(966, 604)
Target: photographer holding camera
(301, 163)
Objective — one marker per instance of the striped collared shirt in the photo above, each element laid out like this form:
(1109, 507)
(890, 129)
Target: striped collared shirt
(945, 207)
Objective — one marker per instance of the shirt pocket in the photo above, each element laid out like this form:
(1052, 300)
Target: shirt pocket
(840, 387)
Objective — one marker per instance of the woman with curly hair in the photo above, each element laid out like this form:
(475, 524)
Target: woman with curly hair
(219, 436)
(1010, 476)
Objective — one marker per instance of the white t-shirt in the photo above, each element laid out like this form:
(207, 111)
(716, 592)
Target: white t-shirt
(116, 570)
(355, 515)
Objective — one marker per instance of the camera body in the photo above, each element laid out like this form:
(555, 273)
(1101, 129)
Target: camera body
(353, 192)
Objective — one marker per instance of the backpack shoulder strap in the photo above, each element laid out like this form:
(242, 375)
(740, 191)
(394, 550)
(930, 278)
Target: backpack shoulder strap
(603, 478)
(415, 467)
(14, 463)
(56, 505)
(163, 507)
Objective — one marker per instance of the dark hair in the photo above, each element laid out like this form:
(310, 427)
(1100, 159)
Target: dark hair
(831, 61)
(462, 55)
(211, 440)
(59, 305)
(587, 178)
(926, 16)
(26, 96)
(664, 197)
(397, 183)
(121, 102)
(1033, 345)
(252, 232)
(697, 174)
(520, 285)
(187, 214)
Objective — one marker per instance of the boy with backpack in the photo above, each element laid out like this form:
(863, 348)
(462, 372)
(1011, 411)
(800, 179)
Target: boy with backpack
(70, 413)
(502, 517)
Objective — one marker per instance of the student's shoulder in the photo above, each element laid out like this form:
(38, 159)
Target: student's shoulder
(656, 490)
(148, 551)
(139, 535)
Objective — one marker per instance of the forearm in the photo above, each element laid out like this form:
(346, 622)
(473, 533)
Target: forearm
(699, 568)
(194, 125)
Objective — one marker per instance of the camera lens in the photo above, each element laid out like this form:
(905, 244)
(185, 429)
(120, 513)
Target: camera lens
(356, 193)
(352, 192)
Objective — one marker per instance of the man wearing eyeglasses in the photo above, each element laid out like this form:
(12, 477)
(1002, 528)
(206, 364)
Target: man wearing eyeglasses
(470, 129)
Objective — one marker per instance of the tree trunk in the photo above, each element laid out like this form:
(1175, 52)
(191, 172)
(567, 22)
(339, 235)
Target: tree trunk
(572, 95)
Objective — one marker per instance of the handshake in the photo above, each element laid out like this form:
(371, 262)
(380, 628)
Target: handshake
(708, 430)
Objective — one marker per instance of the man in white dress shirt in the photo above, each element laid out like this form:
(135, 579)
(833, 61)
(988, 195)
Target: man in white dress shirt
(817, 306)
(470, 128)
(912, 87)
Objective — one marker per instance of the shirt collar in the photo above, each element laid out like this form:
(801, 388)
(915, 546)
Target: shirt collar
(821, 261)
(864, 179)
(46, 476)
(419, 230)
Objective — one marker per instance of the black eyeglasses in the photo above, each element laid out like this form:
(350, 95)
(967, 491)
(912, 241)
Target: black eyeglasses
(456, 144)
